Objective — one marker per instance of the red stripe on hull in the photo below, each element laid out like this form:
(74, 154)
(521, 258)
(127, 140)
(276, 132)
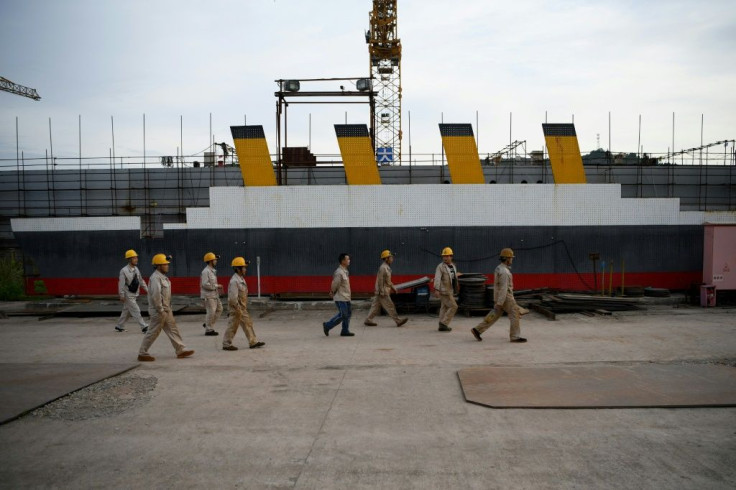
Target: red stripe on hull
(680, 280)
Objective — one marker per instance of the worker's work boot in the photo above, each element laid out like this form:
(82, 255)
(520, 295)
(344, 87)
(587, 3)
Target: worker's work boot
(146, 358)
(444, 328)
(369, 323)
(476, 334)
(229, 347)
(185, 353)
(401, 321)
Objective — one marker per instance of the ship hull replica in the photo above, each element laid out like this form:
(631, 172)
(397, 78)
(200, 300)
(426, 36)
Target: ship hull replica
(298, 232)
(294, 234)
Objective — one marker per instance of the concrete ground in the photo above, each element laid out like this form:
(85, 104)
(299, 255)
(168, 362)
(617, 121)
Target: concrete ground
(383, 409)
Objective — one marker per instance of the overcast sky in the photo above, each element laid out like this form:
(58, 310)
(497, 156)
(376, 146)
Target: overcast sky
(102, 58)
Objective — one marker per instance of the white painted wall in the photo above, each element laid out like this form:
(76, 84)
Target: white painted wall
(409, 206)
(435, 205)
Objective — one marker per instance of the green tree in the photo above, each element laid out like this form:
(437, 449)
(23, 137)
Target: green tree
(11, 279)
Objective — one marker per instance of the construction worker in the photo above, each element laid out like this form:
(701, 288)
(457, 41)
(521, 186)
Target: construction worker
(237, 301)
(382, 293)
(130, 283)
(340, 293)
(209, 291)
(503, 299)
(446, 286)
(159, 309)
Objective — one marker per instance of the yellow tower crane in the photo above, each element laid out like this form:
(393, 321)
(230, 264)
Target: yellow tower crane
(8, 86)
(384, 48)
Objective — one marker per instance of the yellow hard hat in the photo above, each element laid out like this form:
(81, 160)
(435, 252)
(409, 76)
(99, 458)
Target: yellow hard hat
(160, 259)
(210, 256)
(239, 262)
(386, 254)
(130, 254)
(447, 251)
(507, 253)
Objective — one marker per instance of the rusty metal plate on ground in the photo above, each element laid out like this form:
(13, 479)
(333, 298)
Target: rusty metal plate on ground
(601, 386)
(26, 386)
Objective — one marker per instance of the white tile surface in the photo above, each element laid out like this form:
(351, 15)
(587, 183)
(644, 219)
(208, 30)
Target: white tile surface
(103, 223)
(409, 206)
(435, 205)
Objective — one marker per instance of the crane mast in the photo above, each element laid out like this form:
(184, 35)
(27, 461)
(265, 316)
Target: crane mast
(384, 48)
(8, 86)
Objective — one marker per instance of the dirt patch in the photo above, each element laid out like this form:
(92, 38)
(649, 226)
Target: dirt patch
(107, 398)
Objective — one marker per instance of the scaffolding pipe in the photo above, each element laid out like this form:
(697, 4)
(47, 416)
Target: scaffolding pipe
(610, 280)
(622, 276)
(258, 271)
(603, 277)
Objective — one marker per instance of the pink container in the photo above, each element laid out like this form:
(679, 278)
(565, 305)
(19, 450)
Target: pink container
(719, 256)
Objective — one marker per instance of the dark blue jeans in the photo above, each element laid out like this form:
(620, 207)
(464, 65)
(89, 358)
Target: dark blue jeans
(343, 316)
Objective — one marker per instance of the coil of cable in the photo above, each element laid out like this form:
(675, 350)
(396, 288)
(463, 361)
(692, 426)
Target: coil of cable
(489, 296)
(473, 290)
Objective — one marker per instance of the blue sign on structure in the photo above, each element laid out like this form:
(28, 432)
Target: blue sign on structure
(385, 154)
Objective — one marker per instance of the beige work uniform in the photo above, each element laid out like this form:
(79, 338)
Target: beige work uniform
(130, 305)
(340, 287)
(211, 296)
(237, 302)
(382, 295)
(503, 295)
(443, 284)
(162, 318)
